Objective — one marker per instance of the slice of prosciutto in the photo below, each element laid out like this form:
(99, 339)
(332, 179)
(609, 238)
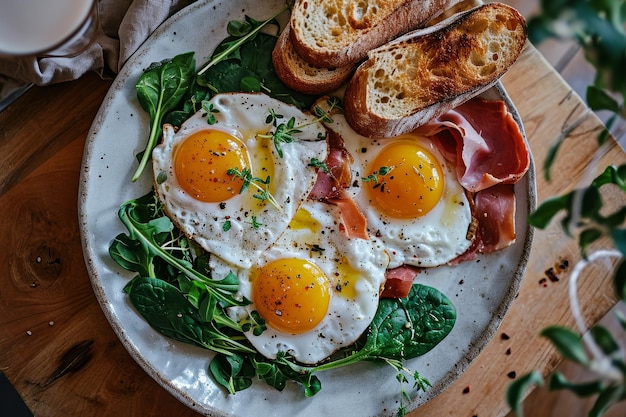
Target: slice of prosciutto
(484, 141)
(486, 145)
(331, 184)
(495, 209)
(398, 281)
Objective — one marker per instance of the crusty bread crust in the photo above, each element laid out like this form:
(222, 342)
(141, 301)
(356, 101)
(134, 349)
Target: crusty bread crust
(423, 74)
(301, 76)
(335, 33)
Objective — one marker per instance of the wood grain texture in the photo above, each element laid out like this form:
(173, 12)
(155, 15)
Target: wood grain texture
(47, 307)
(549, 109)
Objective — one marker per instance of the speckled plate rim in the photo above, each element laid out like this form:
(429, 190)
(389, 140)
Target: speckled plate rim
(99, 225)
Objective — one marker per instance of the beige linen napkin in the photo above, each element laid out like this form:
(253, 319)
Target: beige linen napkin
(124, 26)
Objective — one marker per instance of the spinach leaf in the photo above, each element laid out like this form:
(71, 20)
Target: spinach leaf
(401, 329)
(189, 305)
(241, 32)
(410, 327)
(168, 311)
(159, 90)
(251, 70)
(192, 102)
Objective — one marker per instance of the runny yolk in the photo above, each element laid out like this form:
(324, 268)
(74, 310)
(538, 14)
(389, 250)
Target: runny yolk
(412, 183)
(201, 163)
(292, 295)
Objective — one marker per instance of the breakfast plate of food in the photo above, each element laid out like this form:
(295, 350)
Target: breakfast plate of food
(270, 231)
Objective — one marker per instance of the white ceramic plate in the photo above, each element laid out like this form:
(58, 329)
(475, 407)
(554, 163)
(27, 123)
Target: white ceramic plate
(120, 131)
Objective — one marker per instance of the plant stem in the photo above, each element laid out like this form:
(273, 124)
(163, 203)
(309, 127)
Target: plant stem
(598, 356)
(222, 55)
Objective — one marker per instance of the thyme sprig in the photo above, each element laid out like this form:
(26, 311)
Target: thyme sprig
(283, 132)
(382, 171)
(261, 185)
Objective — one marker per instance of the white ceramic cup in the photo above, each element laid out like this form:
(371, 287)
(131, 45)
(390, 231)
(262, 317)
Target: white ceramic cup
(47, 28)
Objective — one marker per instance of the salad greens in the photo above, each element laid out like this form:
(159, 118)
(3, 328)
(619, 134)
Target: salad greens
(177, 295)
(159, 90)
(174, 289)
(171, 90)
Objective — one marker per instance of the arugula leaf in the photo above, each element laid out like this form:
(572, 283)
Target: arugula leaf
(145, 237)
(159, 90)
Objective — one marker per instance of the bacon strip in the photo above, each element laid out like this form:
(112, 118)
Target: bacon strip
(483, 140)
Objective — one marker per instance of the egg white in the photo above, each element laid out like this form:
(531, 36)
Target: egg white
(227, 228)
(355, 268)
(430, 240)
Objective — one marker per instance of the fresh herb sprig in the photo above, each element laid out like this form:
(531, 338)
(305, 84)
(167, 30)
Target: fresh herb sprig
(373, 177)
(316, 163)
(283, 132)
(211, 111)
(261, 185)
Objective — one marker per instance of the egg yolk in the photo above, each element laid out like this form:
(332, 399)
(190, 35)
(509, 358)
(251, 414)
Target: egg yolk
(405, 180)
(292, 295)
(202, 162)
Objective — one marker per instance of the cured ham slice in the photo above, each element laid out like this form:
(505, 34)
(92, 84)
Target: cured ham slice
(495, 209)
(331, 184)
(398, 281)
(483, 140)
(490, 154)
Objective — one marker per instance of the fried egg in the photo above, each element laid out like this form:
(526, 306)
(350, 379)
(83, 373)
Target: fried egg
(410, 196)
(316, 289)
(226, 185)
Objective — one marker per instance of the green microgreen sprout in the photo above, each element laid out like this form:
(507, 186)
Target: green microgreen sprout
(211, 111)
(226, 226)
(262, 185)
(253, 322)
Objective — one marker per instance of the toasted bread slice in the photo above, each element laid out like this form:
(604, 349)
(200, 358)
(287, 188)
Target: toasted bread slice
(334, 33)
(423, 74)
(301, 76)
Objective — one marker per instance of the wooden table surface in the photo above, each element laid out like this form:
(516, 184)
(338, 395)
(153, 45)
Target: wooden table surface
(59, 351)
